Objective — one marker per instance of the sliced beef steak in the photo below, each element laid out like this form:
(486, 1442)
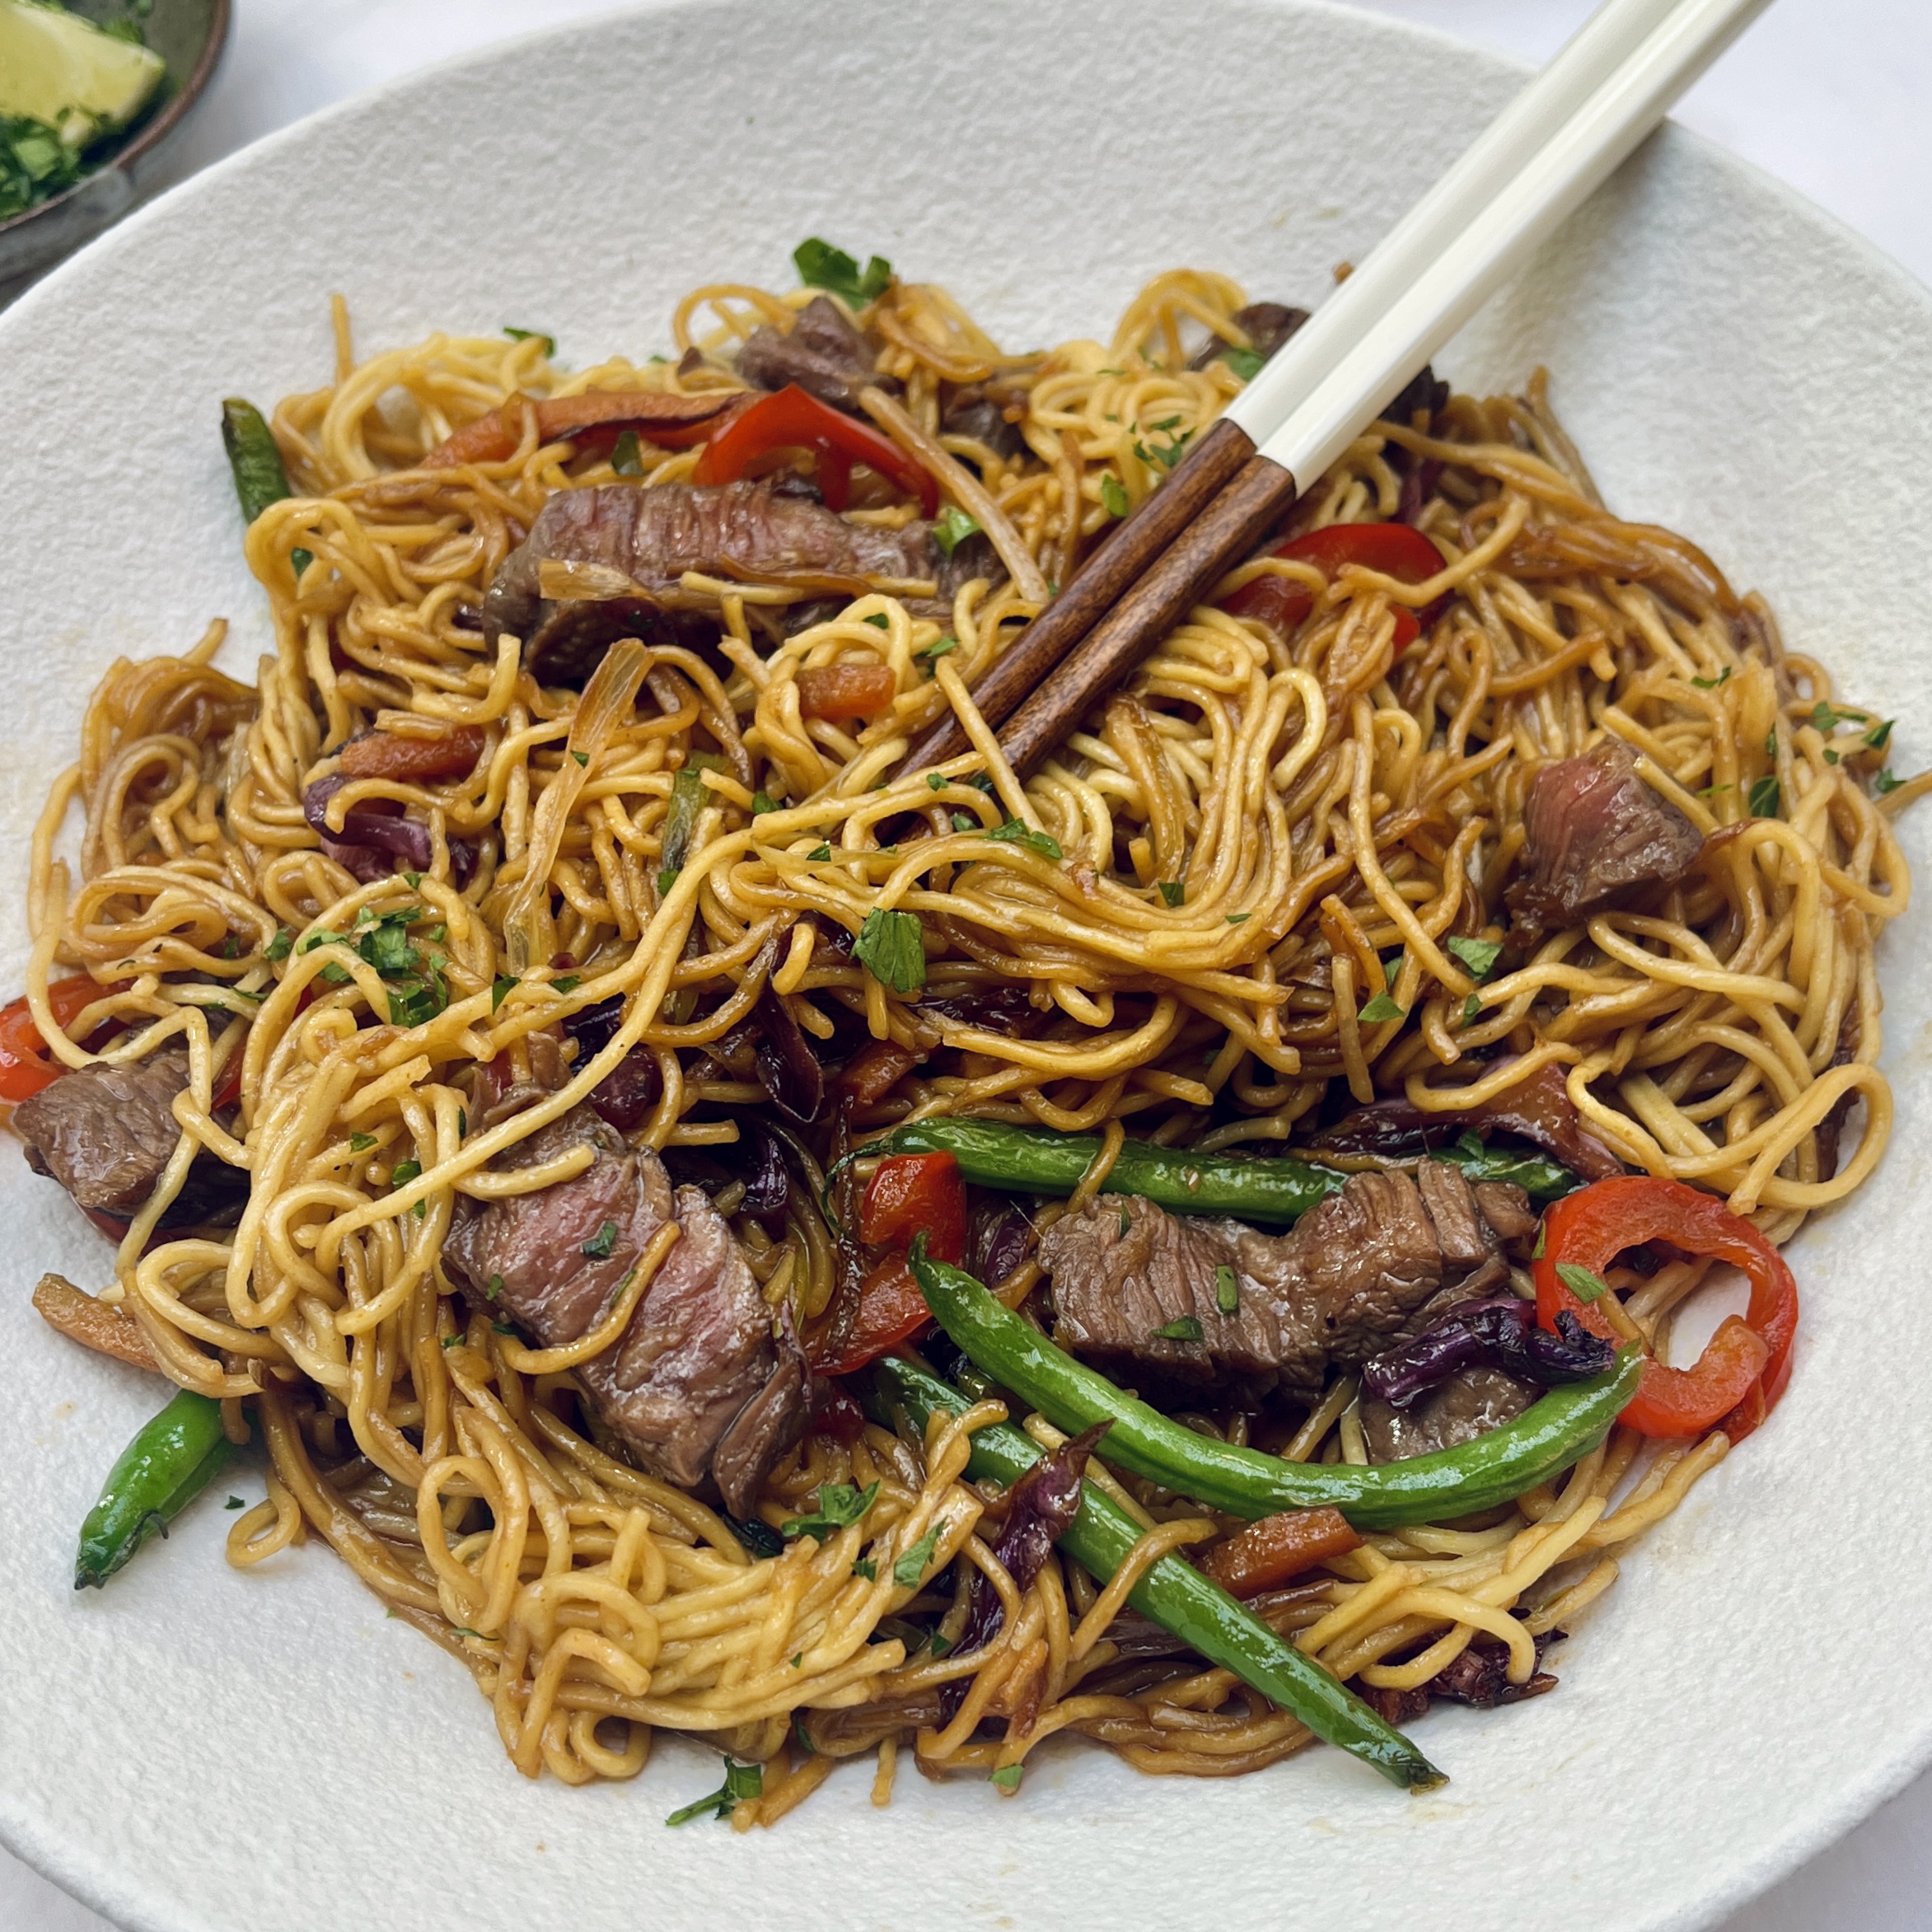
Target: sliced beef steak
(107, 1133)
(1348, 1278)
(1597, 836)
(1470, 1403)
(698, 1385)
(822, 351)
(652, 536)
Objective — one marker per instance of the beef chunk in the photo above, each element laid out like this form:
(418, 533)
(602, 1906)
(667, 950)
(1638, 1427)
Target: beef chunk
(1470, 1403)
(651, 537)
(822, 351)
(107, 1133)
(500, 1088)
(699, 1386)
(1480, 1677)
(979, 410)
(1597, 836)
(1346, 1280)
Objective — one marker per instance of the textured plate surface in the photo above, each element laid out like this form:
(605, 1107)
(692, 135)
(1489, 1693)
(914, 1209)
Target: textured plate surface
(195, 1748)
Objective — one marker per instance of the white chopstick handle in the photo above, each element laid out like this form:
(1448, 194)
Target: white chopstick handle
(1496, 158)
(1577, 158)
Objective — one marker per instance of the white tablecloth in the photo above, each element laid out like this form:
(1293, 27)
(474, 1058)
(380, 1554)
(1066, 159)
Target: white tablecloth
(1829, 94)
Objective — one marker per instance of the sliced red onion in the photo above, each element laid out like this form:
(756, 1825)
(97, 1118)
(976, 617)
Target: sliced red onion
(1500, 1334)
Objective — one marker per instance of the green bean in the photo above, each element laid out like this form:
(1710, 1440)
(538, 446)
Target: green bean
(169, 1464)
(1267, 1188)
(255, 463)
(1496, 1467)
(1173, 1593)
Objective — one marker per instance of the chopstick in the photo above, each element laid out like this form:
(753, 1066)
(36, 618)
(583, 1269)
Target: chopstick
(1534, 165)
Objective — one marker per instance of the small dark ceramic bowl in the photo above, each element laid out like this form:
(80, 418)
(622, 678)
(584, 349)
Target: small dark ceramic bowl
(189, 34)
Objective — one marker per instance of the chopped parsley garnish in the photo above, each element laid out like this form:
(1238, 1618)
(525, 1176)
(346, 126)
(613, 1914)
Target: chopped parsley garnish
(234, 1502)
(1165, 455)
(360, 1143)
(1585, 1284)
(453, 1341)
(964, 821)
(818, 854)
(502, 1328)
(1763, 797)
(865, 1568)
(1227, 1289)
(741, 1781)
(1479, 956)
(1016, 832)
(403, 1173)
(910, 1567)
(1880, 734)
(598, 1248)
(938, 648)
(550, 342)
(627, 458)
(568, 984)
(1173, 891)
(761, 803)
(1471, 1008)
(839, 1506)
(1382, 1007)
(879, 619)
(494, 1291)
(757, 1535)
(1113, 496)
(1188, 1328)
(819, 265)
(1008, 1775)
(1535, 1253)
(583, 758)
(281, 946)
(1886, 783)
(1710, 684)
(952, 528)
(1239, 919)
(891, 946)
(500, 988)
(1246, 363)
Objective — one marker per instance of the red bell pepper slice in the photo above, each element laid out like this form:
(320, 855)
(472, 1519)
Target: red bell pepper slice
(597, 416)
(909, 1195)
(914, 1194)
(1394, 549)
(1736, 1382)
(25, 1067)
(793, 420)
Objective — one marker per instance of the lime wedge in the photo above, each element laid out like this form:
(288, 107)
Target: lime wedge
(60, 69)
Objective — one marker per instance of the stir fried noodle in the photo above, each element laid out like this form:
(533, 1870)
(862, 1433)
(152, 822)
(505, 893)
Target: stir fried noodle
(1199, 896)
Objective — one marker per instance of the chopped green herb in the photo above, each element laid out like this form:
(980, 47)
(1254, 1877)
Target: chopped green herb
(598, 1248)
(1585, 1284)
(403, 1173)
(865, 1568)
(413, 1002)
(798, 1658)
(891, 946)
(1710, 684)
(463, 1630)
(1471, 1008)
(910, 1567)
(1771, 742)
(839, 1506)
(387, 947)
(462, 1125)
(1479, 956)
(1113, 496)
(280, 945)
(952, 528)
(1165, 455)
(500, 988)
(568, 984)
(1886, 783)
(1245, 362)
(758, 1536)
(1382, 1007)
(740, 1781)
(938, 649)
(1712, 791)
(1188, 1328)
(627, 459)
(1016, 832)
(231, 947)
(983, 781)
(360, 1143)
(938, 1643)
(819, 265)
(880, 618)
(802, 1735)
(414, 881)
(1173, 891)
(583, 758)
(453, 1341)
(761, 803)
(1227, 1289)
(550, 342)
(1239, 919)
(937, 781)
(681, 822)
(35, 164)
(1763, 797)
(234, 1502)
(1831, 757)
(1008, 1775)
(495, 1289)
(1535, 1253)
(1880, 734)
(964, 821)
(502, 1328)
(818, 854)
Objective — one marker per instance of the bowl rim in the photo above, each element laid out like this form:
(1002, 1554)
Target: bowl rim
(152, 132)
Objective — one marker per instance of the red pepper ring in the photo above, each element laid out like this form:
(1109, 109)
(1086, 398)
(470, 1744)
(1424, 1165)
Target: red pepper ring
(1394, 550)
(1736, 1382)
(792, 419)
(26, 1065)
(915, 1193)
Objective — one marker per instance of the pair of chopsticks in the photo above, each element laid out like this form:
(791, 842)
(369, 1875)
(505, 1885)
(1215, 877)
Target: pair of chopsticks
(1526, 174)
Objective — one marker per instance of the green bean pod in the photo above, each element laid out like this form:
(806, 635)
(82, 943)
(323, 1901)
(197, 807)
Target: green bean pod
(168, 1464)
(1173, 1593)
(1276, 1188)
(255, 463)
(1497, 1468)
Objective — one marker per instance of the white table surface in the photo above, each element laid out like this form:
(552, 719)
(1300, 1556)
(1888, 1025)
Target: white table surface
(1829, 94)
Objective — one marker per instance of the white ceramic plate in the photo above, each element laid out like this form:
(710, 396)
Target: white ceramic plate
(194, 1748)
